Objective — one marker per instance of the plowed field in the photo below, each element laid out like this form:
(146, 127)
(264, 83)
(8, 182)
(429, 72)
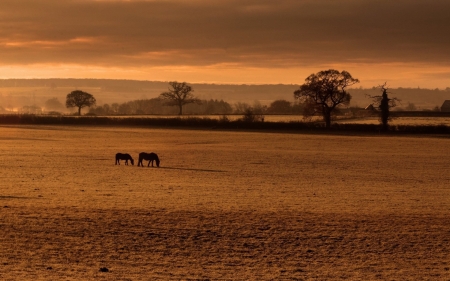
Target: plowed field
(222, 206)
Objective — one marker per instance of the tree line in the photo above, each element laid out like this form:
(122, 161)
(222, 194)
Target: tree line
(323, 93)
(178, 99)
(157, 106)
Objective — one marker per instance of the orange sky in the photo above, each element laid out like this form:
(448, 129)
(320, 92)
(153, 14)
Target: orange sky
(403, 42)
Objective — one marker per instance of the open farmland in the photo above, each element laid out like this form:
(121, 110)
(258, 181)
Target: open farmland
(414, 121)
(222, 206)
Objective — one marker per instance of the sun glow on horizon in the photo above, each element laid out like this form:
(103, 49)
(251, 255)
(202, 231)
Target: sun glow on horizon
(396, 75)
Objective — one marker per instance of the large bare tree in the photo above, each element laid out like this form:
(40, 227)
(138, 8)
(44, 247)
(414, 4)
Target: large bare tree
(179, 94)
(324, 91)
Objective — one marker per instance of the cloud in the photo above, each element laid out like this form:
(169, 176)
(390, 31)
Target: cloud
(247, 33)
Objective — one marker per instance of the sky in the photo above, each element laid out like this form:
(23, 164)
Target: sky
(405, 43)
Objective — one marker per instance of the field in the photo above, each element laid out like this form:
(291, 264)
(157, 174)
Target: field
(414, 121)
(222, 206)
(299, 118)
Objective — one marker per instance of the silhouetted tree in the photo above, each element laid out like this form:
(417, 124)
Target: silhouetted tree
(124, 108)
(208, 107)
(79, 99)
(251, 116)
(53, 104)
(155, 106)
(106, 109)
(215, 107)
(280, 107)
(178, 95)
(259, 109)
(411, 107)
(324, 91)
(298, 107)
(241, 107)
(384, 104)
(114, 108)
(99, 110)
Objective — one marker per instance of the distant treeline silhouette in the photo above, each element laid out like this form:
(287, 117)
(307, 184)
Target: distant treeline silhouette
(32, 94)
(155, 106)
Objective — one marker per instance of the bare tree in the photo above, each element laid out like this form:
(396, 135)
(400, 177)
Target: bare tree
(79, 99)
(384, 104)
(324, 91)
(253, 115)
(241, 107)
(178, 95)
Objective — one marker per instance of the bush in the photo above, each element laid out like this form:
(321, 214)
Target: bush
(250, 116)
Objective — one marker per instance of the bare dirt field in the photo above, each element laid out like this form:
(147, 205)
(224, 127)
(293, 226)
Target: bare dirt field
(414, 121)
(222, 206)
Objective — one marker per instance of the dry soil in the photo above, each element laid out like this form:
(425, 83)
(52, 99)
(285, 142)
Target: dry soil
(222, 206)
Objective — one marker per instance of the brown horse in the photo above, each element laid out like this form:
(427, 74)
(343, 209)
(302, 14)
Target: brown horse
(150, 157)
(124, 156)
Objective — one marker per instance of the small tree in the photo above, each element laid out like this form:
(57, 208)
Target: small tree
(53, 104)
(178, 95)
(280, 107)
(411, 107)
(259, 109)
(241, 107)
(79, 99)
(324, 91)
(252, 115)
(384, 104)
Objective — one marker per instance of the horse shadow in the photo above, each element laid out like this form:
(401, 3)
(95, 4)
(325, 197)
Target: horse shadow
(192, 169)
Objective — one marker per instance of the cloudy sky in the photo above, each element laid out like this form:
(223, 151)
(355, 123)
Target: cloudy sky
(403, 42)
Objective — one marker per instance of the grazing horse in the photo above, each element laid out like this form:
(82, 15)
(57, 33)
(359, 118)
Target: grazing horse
(150, 157)
(124, 156)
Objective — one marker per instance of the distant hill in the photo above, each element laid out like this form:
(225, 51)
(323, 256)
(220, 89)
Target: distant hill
(15, 93)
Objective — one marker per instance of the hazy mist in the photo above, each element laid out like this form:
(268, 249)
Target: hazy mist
(16, 93)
